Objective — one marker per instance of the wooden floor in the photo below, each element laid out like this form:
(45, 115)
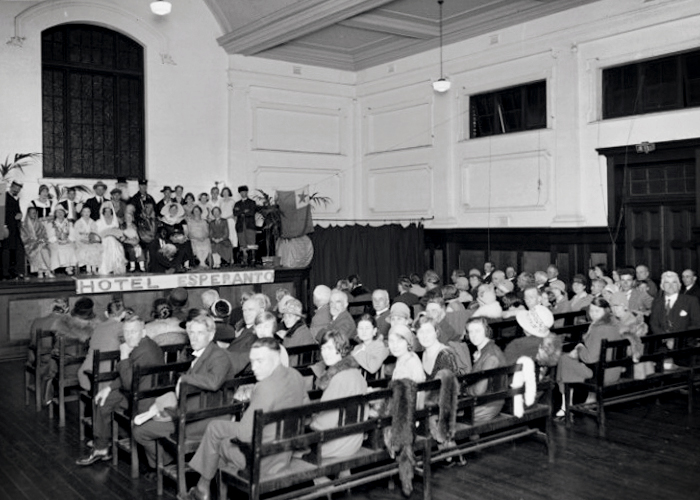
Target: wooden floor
(652, 452)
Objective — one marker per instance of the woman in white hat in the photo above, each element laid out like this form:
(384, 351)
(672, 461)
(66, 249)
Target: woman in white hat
(536, 324)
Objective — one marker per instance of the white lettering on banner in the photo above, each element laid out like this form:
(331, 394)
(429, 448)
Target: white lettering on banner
(169, 281)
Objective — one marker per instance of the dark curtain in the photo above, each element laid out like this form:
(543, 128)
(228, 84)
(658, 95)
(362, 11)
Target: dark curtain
(378, 254)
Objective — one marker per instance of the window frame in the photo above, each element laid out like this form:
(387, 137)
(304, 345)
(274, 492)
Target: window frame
(123, 116)
(521, 115)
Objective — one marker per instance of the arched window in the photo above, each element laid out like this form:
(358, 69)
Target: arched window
(93, 103)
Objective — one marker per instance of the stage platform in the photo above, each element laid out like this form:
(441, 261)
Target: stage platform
(23, 301)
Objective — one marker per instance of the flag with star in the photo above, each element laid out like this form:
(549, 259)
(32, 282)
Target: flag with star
(296, 212)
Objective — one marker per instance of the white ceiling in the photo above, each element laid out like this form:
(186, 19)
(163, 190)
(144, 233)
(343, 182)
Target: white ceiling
(357, 34)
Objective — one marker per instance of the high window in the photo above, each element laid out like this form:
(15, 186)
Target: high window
(662, 84)
(93, 103)
(514, 109)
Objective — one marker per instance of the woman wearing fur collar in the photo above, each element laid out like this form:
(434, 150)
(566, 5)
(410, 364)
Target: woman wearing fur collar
(341, 379)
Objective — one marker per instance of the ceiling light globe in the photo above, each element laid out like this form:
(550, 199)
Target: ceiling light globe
(161, 7)
(441, 85)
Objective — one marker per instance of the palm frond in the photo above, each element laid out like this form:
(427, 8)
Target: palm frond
(20, 161)
(320, 200)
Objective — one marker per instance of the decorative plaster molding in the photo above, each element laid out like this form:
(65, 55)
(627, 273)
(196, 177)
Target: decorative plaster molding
(44, 15)
(16, 41)
(167, 59)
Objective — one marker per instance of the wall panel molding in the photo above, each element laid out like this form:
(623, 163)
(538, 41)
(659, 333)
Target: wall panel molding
(399, 126)
(401, 190)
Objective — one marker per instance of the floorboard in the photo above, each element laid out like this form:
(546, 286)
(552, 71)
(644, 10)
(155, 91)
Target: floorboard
(652, 451)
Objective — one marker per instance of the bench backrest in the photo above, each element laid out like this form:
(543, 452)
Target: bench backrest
(304, 355)
(656, 348)
(104, 369)
(172, 353)
(153, 381)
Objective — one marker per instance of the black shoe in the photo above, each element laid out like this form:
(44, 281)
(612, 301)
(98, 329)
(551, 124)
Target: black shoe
(95, 456)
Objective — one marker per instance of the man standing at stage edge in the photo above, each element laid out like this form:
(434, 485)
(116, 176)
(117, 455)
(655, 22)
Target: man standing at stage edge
(12, 248)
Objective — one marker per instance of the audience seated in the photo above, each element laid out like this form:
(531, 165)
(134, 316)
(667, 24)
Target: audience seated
(408, 365)
(294, 332)
(690, 286)
(341, 319)
(573, 366)
(322, 317)
(436, 310)
(342, 378)
(106, 336)
(581, 299)
(210, 369)
(240, 347)
(371, 350)
(639, 301)
(487, 356)
(380, 303)
(164, 329)
(536, 324)
(406, 295)
(277, 387)
(632, 327)
(266, 327)
(673, 311)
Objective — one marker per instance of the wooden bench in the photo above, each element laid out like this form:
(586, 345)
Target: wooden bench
(616, 354)
(506, 426)
(372, 462)
(97, 376)
(33, 379)
(195, 405)
(69, 357)
(163, 378)
(508, 329)
(304, 355)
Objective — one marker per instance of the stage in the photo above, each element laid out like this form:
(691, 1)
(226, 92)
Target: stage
(24, 300)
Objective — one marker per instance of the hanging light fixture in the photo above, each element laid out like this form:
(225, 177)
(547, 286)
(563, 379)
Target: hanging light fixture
(161, 7)
(443, 84)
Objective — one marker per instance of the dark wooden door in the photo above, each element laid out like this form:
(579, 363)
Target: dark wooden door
(660, 235)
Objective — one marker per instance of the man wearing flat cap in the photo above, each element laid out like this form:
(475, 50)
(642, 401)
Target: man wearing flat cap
(140, 199)
(95, 203)
(244, 212)
(12, 248)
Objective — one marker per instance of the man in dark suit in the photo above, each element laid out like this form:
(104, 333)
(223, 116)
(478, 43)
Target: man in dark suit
(140, 199)
(690, 286)
(12, 247)
(95, 203)
(167, 199)
(673, 311)
(72, 207)
(341, 318)
(137, 350)
(239, 349)
(210, 369)
(380, 303)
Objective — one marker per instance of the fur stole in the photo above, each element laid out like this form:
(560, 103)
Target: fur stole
(447, 406)
(399, 437)
(346, 363)
(74, 327)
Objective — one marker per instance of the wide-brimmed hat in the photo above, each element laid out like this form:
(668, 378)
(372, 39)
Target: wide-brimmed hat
(242, 188)
(166, 188)
(83, 308)
(292, 306)
(536, 321)
(398, 309)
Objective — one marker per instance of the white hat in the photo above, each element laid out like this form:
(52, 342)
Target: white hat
(537, 321)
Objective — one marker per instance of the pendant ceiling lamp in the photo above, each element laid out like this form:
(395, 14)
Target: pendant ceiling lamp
(161, 7)
(443, 84)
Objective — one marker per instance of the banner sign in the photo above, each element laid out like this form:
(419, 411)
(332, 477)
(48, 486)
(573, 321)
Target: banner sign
(116, 284)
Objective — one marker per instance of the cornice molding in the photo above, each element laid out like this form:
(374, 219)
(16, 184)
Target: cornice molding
(296, 20)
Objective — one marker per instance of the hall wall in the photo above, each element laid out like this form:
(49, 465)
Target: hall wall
(185, 86)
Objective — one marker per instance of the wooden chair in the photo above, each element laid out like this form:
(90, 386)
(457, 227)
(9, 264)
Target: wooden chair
(174, 352)
(195, 405)
(71, 354)
(33, 368)
(304, 355)
(159, 380)
(104, 369)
